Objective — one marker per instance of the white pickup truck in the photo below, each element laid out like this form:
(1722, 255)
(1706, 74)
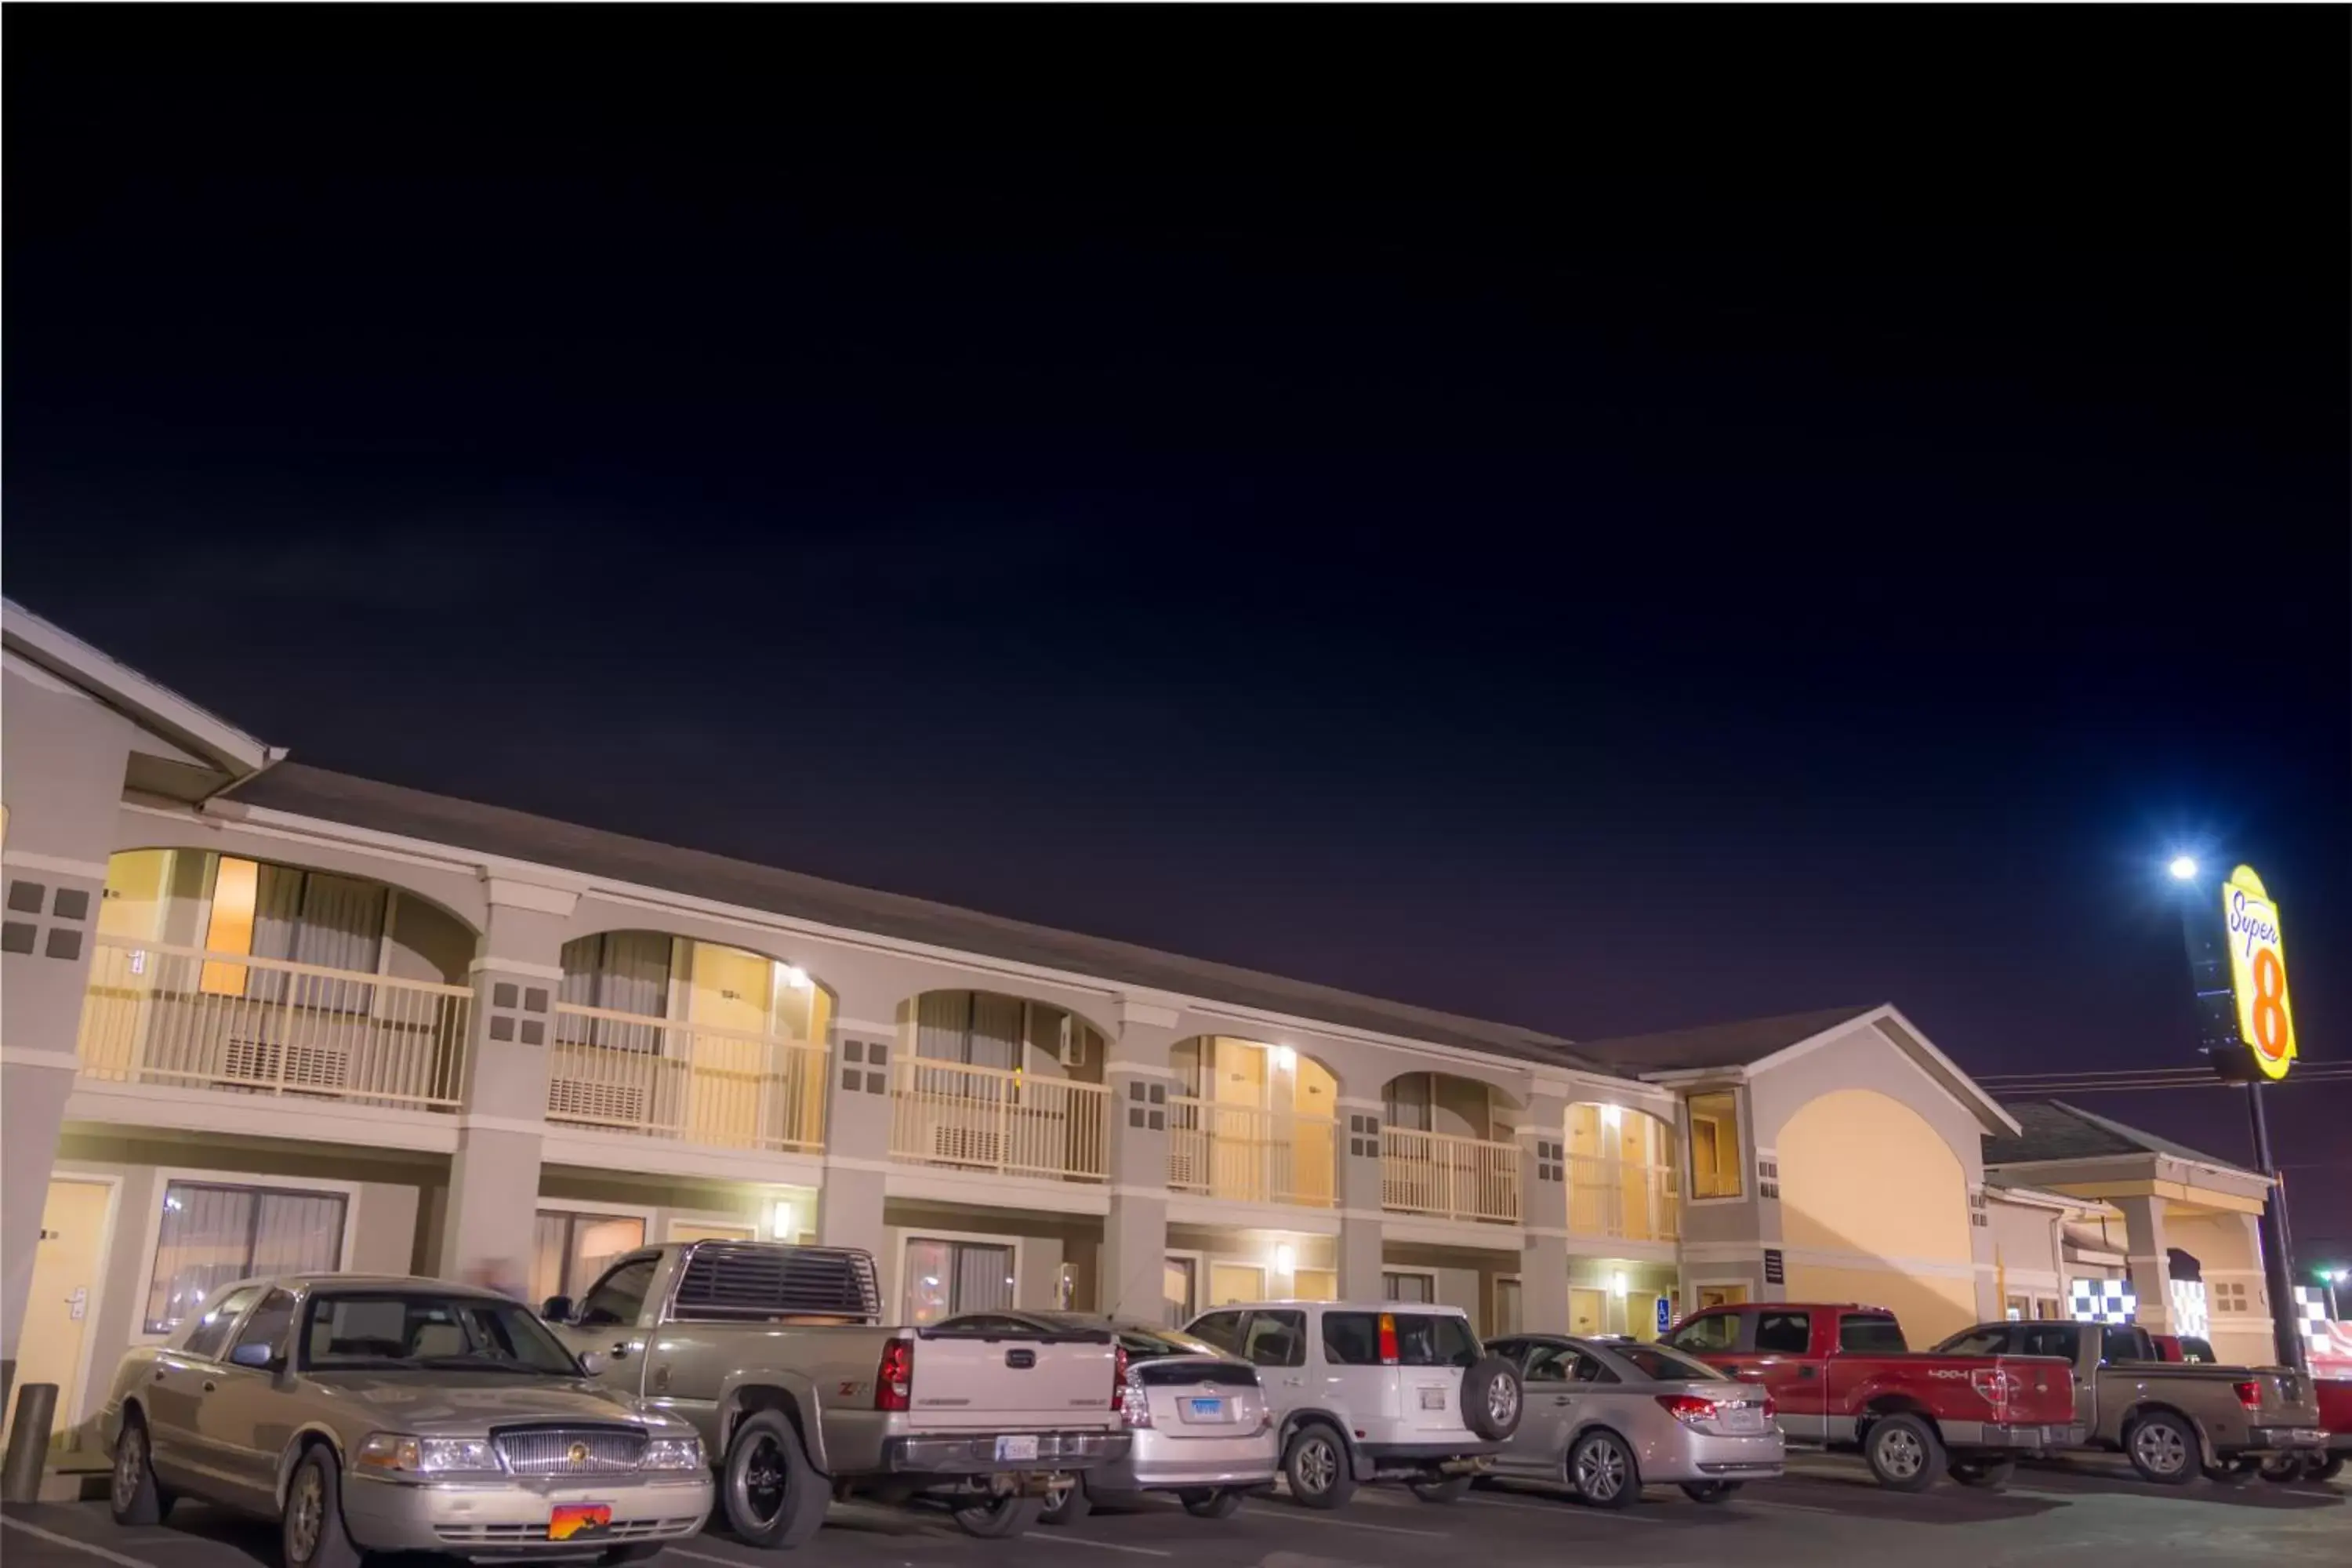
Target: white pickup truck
(777, 1356)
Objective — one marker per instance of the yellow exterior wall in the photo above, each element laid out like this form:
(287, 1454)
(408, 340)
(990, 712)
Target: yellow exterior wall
(1864, 1175)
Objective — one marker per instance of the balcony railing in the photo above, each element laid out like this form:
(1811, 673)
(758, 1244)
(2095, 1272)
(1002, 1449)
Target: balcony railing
(723, 1089)
(994, 1119)
(241, 1025)
(1448, 1176)
(1249, 1155)
(1623, 1199)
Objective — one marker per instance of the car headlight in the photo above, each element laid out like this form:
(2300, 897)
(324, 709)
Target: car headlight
(673, 1454)
(396, 1453)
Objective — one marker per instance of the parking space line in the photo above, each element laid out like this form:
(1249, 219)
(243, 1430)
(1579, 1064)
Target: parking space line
(1033, 1535)
(115, 1557)
(1305, 1517)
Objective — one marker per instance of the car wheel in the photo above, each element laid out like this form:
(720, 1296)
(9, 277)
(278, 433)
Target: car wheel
(1069, 1506)
(2327, 1469)
(1710, 1491)
(2286, 1468)
(772, 1495)
(1223, 1504)
(1315, 1465)
(1601, 1470)
(1990, 1475)
(1000, 1517)
(2239, 1472)
(1903, 1453)
(2163, 1449)
(137, 1497)
(1450, 1488)
(312, 1535)
(1492, 1398)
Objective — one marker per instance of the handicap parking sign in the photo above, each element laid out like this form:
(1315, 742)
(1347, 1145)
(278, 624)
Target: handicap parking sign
(1666, 1314)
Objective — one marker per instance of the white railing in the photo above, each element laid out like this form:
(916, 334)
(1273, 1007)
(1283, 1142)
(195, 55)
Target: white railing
(1622, 1199)
(995, 1119)
(724, 1089)
(1453, 1177)
(227, 1021)
(1249, 1155)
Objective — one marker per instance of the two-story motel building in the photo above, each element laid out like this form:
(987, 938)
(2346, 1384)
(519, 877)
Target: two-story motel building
(261, 1015)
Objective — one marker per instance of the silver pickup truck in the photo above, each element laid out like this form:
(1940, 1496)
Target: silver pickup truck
(776, 1356)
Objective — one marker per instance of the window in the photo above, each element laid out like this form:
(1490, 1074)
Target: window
(2062, 1340)
(1351, 1339)
(307, 917)
(948, 1277)
(619, 1296)
(2121, 1343)
(2192, 1348)
(270, 1324)
(1175, 1291)
(1784, 1333)
(1423, 1339)
(2017, 1309)
(1993, 1339)
(359, 1329)
(1550, 1363)
(1276, 1339)
(1506, 1306)
(213, 1235)
(1406, 1101)
(1871, 1334)
(1223, 1330)
(211, 1332)
(1708, 1334)
(1419, 1289)
(1715, 1161)
(568, 1249)
(1660, 1364)
(617, 971)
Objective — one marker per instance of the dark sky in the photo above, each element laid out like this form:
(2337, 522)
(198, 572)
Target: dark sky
(1606, 519)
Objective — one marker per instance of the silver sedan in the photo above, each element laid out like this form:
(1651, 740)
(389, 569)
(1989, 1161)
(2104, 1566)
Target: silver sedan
(393, 1415)
(1605, 1416)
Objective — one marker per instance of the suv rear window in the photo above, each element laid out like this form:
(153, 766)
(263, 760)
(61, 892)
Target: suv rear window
(1871, 1336)
(1423, 1339)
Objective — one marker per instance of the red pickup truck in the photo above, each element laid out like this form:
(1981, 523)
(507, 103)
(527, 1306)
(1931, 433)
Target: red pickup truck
(1843, 1376)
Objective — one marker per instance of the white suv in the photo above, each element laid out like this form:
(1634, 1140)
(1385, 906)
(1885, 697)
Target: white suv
(1387, 1392)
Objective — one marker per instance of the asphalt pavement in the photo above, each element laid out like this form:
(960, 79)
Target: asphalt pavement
(2085, 1513)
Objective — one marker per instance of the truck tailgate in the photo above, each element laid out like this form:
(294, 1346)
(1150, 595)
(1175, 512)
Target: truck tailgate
(2034, 1390)
(1012, 1382)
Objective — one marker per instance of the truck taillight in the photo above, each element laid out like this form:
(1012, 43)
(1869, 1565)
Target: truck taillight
(1771, 1409)
(1997, 1385)
(2249, 1392)
(1690, 1409)
(1389, 1356)
(1118, 1378)
(894, 1380)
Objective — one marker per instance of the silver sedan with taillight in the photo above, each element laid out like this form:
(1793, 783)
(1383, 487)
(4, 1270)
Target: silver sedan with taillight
(1607, 1416)
(1201, 1425)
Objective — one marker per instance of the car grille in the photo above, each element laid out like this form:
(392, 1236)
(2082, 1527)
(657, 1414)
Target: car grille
(500, 1534)
(570, 1450)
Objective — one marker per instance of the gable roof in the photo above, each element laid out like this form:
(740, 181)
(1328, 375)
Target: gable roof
(316, 792)
(1740, 1044)
(2053, 1129)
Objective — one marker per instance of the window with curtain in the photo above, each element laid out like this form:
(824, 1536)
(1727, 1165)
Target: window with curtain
(1406, 1103)
(569, 1250)
(976, 1028)
(617, 972)
(305, 917)
(212, 1235)
(944, 1277)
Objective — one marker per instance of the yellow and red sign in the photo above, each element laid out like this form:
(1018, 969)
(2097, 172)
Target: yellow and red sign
(567, 1520)
(2258, 971)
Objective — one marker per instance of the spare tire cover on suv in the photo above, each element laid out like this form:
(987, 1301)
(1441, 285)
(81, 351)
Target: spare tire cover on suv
(1492, 1399)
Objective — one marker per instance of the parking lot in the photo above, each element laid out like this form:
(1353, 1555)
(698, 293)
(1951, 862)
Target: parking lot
(2080, 1513)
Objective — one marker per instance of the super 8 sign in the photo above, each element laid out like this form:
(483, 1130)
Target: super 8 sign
(2258, 971)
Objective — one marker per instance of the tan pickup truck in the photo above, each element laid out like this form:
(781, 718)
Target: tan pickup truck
(2173, 1420)
(776, 1355)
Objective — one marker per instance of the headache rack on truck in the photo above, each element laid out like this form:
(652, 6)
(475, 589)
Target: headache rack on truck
(748, 1282)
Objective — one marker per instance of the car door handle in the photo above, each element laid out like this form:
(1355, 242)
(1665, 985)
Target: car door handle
(1804, 1371)
(1293, 1383)
(158, 1374)
(620, 1349)
(1563, 1399)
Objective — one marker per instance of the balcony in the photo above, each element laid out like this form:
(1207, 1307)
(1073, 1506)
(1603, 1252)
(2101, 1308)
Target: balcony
(1249, 1155)
(240, 1025)
(1621, 1200)
(1449, 1177)
(663, 1077)
(998, 1119)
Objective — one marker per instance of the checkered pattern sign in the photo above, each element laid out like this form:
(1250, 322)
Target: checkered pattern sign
(2103, 1301)
(2189, 1313)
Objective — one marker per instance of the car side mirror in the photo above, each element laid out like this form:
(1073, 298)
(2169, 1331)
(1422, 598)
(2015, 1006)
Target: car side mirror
(594, 1363)
(261, 1358)
(556, 1309)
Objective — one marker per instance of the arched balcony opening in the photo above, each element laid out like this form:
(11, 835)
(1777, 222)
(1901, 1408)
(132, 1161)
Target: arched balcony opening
(219, 971)
(1252, 1120)
(1620, 1174)
(1446, 1149)
(986, 1081)
(674, 1037)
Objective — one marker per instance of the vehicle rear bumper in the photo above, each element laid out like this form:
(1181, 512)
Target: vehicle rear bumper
(2287, 1439)
(1706, 1456)
(509, 1517)
(976, 1455)
(2001, 1435)
(1155, 1461)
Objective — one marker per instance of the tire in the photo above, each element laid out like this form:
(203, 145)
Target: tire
(312, 1533)
(2326, 1468)
(2163, 1448)
(2234, 1473)
(1601, 1470)
(1903, 1453)
(2286, 1469)
(135, 1494)
(1989, 1474)
(770, 1494)
(1071, 1507)
(1711, 1492)
(1452, 1488)
(1000, 1517)
(1316, 1463)
(1492, 1399)
(1221, 1504)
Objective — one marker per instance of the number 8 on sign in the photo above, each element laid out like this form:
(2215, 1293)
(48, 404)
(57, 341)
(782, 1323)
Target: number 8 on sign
(2258, 971)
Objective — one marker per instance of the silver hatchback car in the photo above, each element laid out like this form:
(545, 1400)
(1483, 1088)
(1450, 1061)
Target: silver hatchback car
(1606, 1416)
(394, 1414)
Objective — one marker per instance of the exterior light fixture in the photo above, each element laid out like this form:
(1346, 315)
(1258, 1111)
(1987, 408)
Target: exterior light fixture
(1283, 1258)
(792, 975)
(1284, 1059)
(780, 1221)
(2183, 869)
(1611, 1115)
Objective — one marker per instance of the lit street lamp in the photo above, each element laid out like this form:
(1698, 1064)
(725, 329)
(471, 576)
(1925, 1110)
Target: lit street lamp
(2183, 869)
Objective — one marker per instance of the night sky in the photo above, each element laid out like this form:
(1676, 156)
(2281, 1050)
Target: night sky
(1604, 520)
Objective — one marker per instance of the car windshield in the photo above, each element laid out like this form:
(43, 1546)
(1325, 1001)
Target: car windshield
(377, 1330)
(1660, 1364)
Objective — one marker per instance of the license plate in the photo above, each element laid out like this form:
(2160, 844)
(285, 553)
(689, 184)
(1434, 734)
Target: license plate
(570, 1521)
(1432, 1399)
(1205, 1410)
(1743, 1418)
(1023, 1448)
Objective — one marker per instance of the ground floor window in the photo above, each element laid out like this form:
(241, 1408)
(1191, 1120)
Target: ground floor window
(212, 1234)
(1176, 1291)
(943, 1277)
(569, 1249)
(1507, 1308)
(1419, 1289)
